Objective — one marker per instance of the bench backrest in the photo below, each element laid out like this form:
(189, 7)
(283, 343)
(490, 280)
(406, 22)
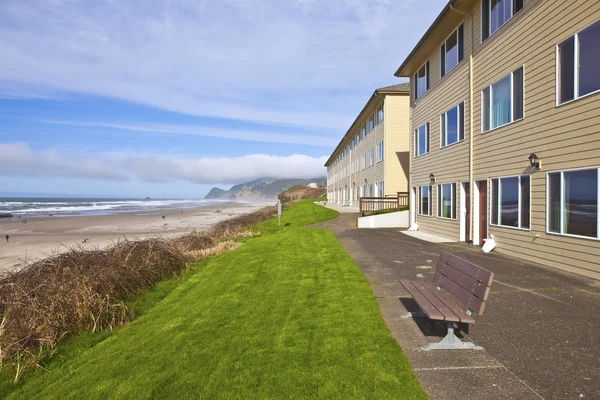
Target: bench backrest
(469, 283)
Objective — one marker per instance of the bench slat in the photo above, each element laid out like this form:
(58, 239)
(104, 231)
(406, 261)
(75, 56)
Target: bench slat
(437, 303)
(425, 305)
(461, 294)
(464, 317)
(474, 271)
(471, 285)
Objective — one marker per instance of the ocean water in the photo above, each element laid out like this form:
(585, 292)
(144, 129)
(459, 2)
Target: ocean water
(93, 206)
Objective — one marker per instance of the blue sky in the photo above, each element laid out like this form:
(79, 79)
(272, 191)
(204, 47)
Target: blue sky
(170, 98)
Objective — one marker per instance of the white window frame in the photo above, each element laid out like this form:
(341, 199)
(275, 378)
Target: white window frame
(371, 157)
(512, 14)
(363, 161)
(417, 97)
(444, 131)
(380, 151)
(455, 32)
(363, 130)
(576, 70)
(416, 141)
(371, 119)
(452, 200)
(491, 201)
(512, 99)
(562, 201)
(420, 206)
(378, 110)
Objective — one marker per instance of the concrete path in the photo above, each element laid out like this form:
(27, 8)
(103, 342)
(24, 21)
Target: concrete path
(540, 330)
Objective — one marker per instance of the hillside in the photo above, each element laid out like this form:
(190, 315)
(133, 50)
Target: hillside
(260, 189)
(300, 193)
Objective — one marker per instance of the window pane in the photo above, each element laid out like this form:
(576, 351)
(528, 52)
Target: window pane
(509, 202)
(494, 204)
(525, 206)
(581, 203)
(425, 200)
(421, 81)
(461, 40)
(589, 59)
(451, 51)
(422, 140)
(485, 19)
(443, 128)
(500, 13)
(485, 105)
(554, 202)
(566, 54)
(461, 121)
(501, 102)
(518, 94)
(452, 125)
(446, 197)
(443, 60)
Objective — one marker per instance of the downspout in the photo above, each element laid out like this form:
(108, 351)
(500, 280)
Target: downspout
(472, 183)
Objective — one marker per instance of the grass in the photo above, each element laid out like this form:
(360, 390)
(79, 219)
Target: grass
(286, 315)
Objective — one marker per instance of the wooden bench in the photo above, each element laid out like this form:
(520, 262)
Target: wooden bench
(468, 283)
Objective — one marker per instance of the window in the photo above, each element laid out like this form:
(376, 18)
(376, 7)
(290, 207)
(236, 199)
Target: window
(371, 190)
(452, 125)
(447, 200)
(357, 140)
(371, 123)
(422, 140)
(573, 202)
(510, 202)
(364, 130)
(379, 151)
(370, 157)
(424, 200)
(363, 161)
(578, 64)
(357, 165)
(380, 192)
(364, 191)
(502, 102)
(452, 51)
(380, 113)
(422, 80)
(495, 13)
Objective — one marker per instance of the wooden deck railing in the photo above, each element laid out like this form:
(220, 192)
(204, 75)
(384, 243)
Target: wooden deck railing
(370, 205)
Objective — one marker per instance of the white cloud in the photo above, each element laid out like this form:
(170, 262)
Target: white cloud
(303, 62)
(188, 130)
(19, 160)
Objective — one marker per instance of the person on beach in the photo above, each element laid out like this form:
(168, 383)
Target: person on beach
(6, 238)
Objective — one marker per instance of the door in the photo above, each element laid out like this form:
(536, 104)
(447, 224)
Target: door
(467, 215)
(482, 186)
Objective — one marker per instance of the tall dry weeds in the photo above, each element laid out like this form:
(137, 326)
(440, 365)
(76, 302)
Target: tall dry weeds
(86, 290)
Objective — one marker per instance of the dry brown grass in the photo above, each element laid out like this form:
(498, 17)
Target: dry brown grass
(300, 193)
(85, 290)
(219, 248)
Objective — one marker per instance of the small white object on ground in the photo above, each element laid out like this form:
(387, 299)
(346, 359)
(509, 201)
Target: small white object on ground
(489, 244)
(414, 227)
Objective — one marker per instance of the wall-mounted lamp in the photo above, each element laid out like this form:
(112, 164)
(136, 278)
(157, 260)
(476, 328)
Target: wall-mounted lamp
(535, 161)
(432, 178)
(365, 180)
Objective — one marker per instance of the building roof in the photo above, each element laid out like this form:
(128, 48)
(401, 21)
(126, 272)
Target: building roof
(451, 6)
(401, 88)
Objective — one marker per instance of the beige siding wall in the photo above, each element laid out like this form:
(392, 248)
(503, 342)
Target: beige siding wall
(396, 111)
(563, 137)
(396, 144)
(449, 164)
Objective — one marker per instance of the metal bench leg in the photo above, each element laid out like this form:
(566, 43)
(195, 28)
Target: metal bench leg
(451, 342)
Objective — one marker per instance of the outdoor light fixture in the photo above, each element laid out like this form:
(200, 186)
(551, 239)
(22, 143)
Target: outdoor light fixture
(365, 180)
(534, 161)
(432, 178)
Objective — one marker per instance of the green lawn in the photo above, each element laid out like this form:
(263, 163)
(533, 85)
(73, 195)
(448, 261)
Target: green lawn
(287, 315)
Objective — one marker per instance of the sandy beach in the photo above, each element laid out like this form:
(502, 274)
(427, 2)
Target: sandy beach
(42, 237)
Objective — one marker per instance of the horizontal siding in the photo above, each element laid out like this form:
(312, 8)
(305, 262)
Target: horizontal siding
(563, 137)
(396, 143)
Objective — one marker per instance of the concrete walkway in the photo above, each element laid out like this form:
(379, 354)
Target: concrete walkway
(540, 330)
